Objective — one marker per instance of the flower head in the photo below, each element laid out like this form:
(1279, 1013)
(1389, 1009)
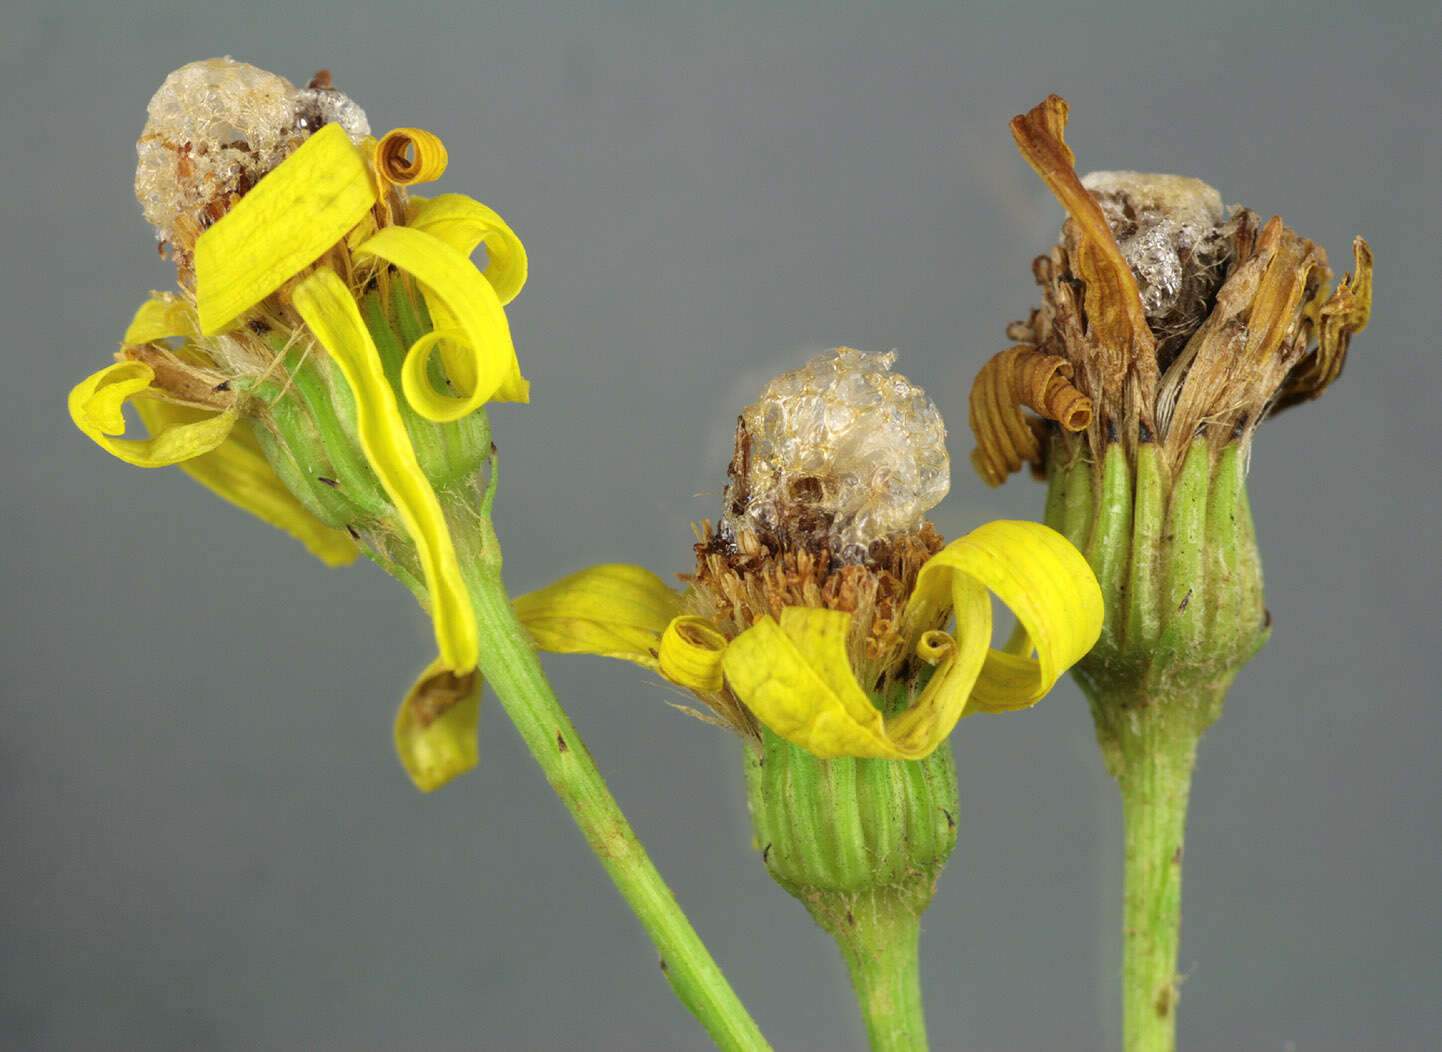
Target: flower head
(1170, 327)
(1165, 317)
(326, 356)
(818, 605)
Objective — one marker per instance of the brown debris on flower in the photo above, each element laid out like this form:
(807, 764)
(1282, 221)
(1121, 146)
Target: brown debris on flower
(1174, 318)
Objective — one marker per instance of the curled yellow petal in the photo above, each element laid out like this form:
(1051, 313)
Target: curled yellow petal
(1045, 582)
(406, 156)
(281, 226)
(615, 611)
(435, 730)
(326, 305)
(794, 676)
(237, 471)
(481, 363)
(691, 652)
(464, 223)
(95, 405)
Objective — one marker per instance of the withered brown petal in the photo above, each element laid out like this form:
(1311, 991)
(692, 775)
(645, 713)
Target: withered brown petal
(1346, 312)
(1114, 308)
(1237, 360)
(1006, 437)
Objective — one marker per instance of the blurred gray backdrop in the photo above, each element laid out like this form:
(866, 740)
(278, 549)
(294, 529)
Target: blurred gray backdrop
(207, 843)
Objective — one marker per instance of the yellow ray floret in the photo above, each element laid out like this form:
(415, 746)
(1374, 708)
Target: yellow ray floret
(794, 675)
(284, 224)
(436, 727)
(95, 405)
(326, 305)
(469, 324)
(464, 224)
(615, 611)
(691, 654)
(162, 317)
(1045, 582)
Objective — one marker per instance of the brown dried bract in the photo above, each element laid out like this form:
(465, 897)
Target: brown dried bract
(1257, 331)
(186, 380)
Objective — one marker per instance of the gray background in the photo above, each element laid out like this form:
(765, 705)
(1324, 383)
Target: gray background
(206, 840)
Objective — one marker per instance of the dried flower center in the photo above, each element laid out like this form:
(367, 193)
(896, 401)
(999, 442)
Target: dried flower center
(836, 456)
(1172, 232)
(215, 128)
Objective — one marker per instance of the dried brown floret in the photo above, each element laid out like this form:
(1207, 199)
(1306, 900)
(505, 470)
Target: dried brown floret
(1006, 437)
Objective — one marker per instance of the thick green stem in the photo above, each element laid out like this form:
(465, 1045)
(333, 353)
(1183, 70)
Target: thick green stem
(509, 664)
(880, 947)
(1154, 740)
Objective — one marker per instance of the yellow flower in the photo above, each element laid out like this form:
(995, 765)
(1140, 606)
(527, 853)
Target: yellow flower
(793, 672)
(806, 617)
(319, 259)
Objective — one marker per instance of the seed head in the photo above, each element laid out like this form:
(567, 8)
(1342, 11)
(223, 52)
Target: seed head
(1165, 315)
(836, 456)
(215, 128)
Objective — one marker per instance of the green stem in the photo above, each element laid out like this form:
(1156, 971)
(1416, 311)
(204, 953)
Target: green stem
(881, 952)
(509, 664)
(1155, 736)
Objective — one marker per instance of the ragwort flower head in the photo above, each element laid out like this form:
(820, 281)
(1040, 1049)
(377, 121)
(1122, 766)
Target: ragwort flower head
(327, 353)
(1165, 317)
(1170, 327)
(818, 604)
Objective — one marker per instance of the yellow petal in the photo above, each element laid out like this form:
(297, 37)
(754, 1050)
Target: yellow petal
(481, 361)
(464, 223)
(794, 675)
(690, 654)
(959, 660)
(325, 304)
(161, 317)
(615, 611)
(1044, 580)
(281, 226)
(95, 405)
(237, 471)
(436, 726)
